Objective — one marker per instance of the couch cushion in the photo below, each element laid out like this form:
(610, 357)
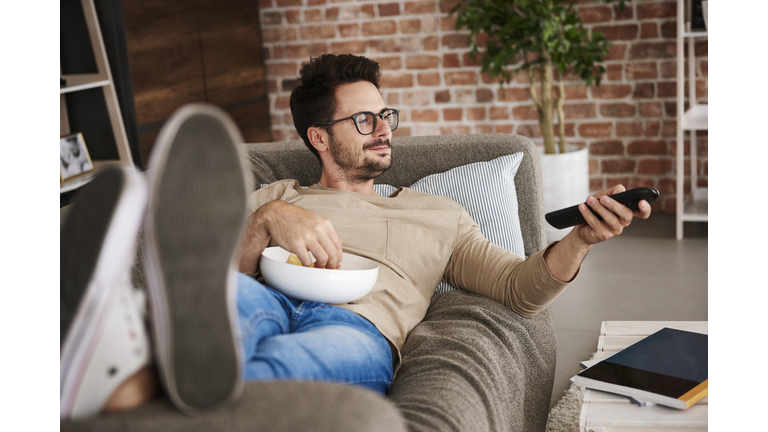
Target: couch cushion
(487, 191)
(473, 365)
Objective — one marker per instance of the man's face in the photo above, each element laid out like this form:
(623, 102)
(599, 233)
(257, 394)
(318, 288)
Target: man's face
(359, 158)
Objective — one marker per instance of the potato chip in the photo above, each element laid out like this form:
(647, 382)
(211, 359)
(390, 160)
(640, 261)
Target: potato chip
(294, 259)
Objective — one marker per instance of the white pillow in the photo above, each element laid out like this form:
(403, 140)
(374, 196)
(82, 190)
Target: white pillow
(487, 192)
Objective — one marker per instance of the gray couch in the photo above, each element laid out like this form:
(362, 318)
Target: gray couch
(471, 365)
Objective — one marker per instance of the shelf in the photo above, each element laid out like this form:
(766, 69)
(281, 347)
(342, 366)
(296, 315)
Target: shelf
(695, 34)
(84, 179)
(696, 118)
(696, 208)
(83, 82)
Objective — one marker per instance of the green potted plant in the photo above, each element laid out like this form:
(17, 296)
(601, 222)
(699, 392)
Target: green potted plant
(544, 39)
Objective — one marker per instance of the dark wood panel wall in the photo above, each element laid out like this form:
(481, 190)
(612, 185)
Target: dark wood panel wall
(183, 51)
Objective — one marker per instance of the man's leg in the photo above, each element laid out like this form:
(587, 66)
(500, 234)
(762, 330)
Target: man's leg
(293, 340)
(195, 217)
(103, 337)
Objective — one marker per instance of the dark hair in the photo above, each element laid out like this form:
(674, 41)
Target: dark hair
(314, 101)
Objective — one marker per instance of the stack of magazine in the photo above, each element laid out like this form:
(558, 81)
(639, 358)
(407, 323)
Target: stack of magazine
(668, 368)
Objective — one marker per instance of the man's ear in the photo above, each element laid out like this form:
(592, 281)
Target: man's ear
(318, 138)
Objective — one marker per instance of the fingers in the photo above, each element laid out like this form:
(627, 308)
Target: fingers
(301, 231)
(643, 210)
(610, 191)
(615, 217)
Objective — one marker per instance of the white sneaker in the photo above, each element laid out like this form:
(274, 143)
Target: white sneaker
(103, 335)
(195, 219)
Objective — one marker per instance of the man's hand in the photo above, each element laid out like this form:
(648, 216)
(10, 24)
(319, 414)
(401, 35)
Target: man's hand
(615, 216)
(293, 228)
(564, 258)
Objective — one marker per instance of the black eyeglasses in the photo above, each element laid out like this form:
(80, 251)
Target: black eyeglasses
(365, 122)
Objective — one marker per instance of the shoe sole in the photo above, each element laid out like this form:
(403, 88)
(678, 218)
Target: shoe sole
(196, 217)
(98, 240)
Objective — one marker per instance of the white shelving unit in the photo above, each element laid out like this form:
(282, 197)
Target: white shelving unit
(696, 118)
(101, 79)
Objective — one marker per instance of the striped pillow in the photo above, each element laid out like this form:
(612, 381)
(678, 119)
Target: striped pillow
(487, 192)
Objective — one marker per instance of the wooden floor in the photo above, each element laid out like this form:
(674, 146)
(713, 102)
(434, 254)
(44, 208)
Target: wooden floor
(642, 275)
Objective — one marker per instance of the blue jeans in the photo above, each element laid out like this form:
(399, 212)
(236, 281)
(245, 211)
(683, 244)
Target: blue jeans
(289, 339)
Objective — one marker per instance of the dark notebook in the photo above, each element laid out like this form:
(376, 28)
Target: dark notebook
(668, 367)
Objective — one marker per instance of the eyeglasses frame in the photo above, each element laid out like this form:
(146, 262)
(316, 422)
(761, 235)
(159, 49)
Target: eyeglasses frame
(376, 116)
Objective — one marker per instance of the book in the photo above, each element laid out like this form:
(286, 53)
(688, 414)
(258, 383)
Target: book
(668, 368)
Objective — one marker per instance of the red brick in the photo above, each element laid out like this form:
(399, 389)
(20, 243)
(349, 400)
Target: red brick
(272, 18)
(389, 9)
(651, 109)
(416, 98)
(410, 26)
(455, 41)
(640, 147)
(667, 89)
(616, 52)
(426, 115)
(529, 130)
(617, 32)
(461, 78)
(316, 2)
(366, 11)
(430, 43)
(407, 44)
(476, 113)
(332, 14)
(595, 130)
(388, 64)
(442, 96)
(499, 113)
(447, 5)
(485, 128)
(393, 99)
(455, 130)
(313, 15)
(282, 69)
(614, 166)
(293, 16)
(701, 48)
(348, 30)
(654, 166)
(419, 7)
(447, 23)
(649, 30)
(669, 129)
(429, 79)
(350, 47)
(396, 80)
(514, 94)
(484, 95)
(664, 9)
(271, 34)
(625, 14)
(595, 14)
(652, 128)
(668, 69)
(641, 182)
(573, 92)
(644, 90)
(378, 28)
(596, 184)
(283, 102)
(617, 110)
(615, 72)
(580, 111)
(452, 114)
(525, 112)
(608, 147)
(629, 129)
(451, 61)
(652, 50)
(505, 128)
(265, 4)
(611, 91)
(286, 3)
(421, 62)
(642, 70)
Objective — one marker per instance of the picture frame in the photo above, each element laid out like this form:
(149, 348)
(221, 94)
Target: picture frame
(74, 158)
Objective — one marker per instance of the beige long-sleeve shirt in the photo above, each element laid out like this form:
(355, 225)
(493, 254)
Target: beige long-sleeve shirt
(418, 240)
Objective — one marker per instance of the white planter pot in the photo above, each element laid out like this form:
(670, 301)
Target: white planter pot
(566, 182)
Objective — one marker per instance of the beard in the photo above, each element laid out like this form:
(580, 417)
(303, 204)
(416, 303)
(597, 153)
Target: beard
(353, 165)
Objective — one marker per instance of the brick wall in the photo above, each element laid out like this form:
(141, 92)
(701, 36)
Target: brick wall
(628, 122)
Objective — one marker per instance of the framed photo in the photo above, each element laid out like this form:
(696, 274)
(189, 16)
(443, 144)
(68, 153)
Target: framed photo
(75, 159)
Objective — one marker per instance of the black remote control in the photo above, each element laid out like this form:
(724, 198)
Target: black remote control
(571, 216)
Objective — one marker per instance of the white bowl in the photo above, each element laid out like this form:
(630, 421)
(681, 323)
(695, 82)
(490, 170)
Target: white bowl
(353, 281)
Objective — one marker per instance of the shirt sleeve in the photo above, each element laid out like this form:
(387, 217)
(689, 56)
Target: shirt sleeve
(481, 267)
(285, 190)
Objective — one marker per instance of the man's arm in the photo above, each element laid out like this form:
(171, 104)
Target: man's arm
(293, 228)
(564, 258)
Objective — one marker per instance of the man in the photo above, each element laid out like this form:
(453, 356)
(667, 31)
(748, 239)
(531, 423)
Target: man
(418, 240)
